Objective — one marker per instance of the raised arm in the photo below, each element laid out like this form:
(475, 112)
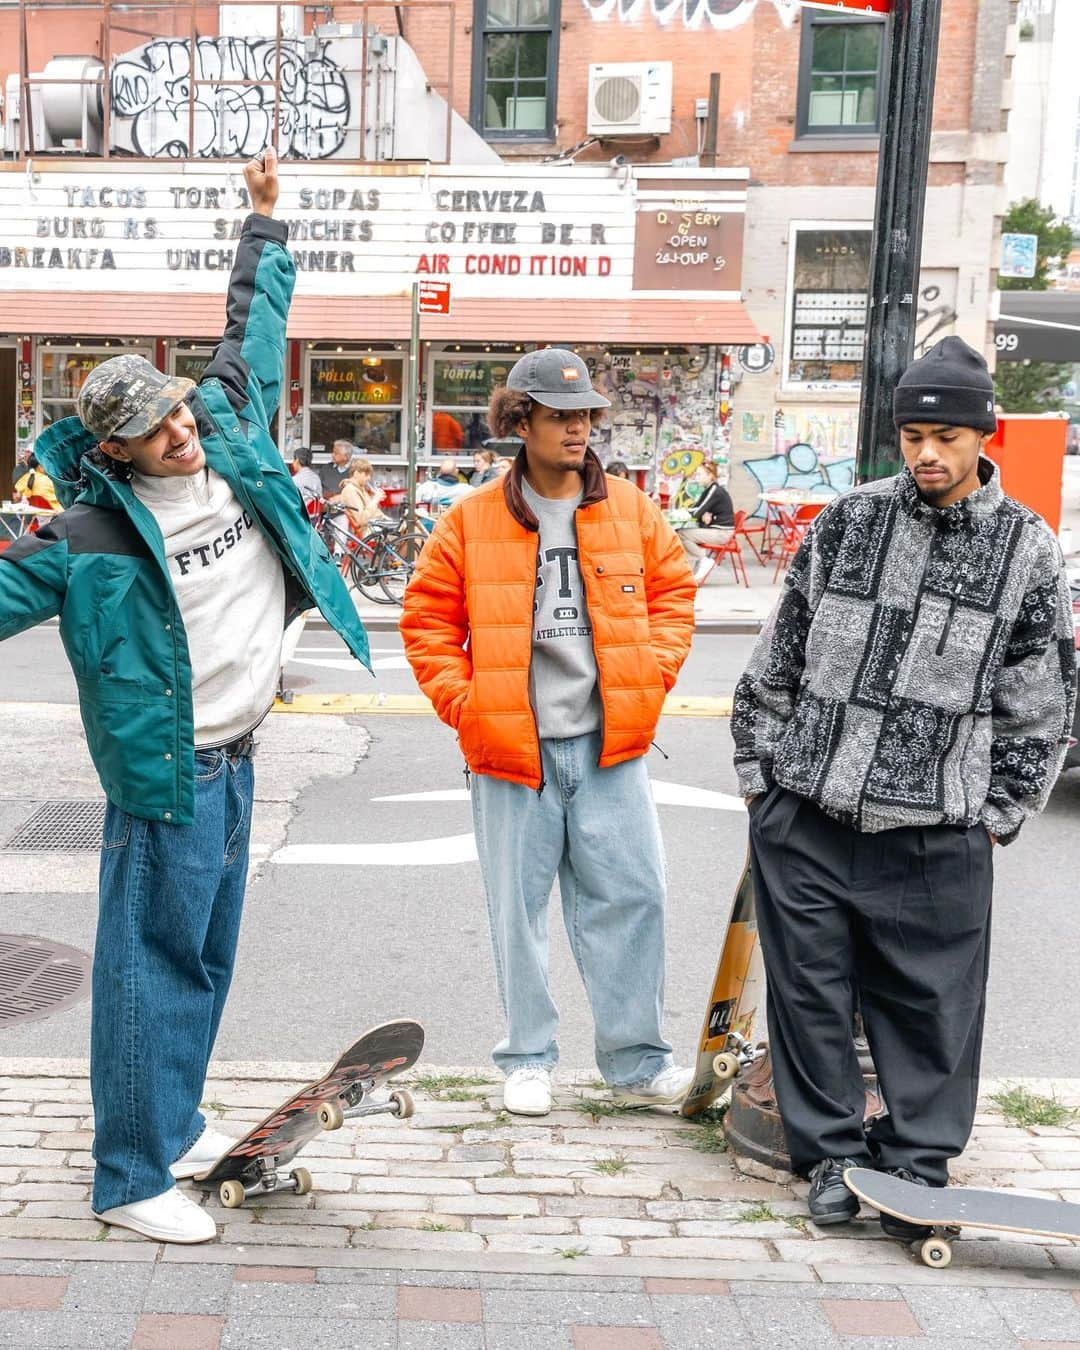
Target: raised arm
(250, 358)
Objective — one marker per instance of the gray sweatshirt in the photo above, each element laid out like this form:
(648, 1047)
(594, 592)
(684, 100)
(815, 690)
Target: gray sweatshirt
(562, 676)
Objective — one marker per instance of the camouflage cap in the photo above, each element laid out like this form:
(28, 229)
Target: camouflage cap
(127, 396)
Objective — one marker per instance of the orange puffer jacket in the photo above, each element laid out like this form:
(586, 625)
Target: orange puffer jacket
(467, 621)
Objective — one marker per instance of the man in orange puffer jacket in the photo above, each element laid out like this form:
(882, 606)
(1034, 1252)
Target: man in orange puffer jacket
(548, 617)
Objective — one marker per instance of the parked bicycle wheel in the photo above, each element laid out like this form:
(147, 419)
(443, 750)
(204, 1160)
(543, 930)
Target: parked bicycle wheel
(364, 573)
(397, 563)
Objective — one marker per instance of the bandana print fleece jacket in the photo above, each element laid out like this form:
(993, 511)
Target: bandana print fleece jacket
(920, 667)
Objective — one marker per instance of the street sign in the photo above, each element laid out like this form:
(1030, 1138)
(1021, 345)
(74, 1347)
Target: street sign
(433, 297)
(1019, 255)
(867, 6)
(756, 358)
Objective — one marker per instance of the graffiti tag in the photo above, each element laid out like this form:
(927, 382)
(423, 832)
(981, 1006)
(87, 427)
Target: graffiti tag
(152, 85)
(692, 13)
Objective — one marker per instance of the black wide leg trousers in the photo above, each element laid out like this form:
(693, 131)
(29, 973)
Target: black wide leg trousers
(900, 919)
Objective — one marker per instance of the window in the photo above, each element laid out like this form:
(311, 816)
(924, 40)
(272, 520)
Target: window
(514, 64)
(62, 370)
(461, 387)
(841, 76)
(830, 278)
(355, 397)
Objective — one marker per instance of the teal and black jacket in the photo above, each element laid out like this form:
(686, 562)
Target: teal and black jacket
(101, 565)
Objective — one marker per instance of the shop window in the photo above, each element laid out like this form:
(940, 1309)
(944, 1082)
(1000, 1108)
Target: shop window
(841, 76)
(62, 369)
(830, 278)
(514, 68)
(356, 398)
(190, 359)
(461, 388)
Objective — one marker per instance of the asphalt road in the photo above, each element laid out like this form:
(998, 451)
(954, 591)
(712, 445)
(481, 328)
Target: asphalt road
(327, 949)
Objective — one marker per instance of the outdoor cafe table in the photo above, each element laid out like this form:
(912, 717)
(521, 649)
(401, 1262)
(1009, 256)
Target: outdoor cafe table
(780, 500)
(16, 518)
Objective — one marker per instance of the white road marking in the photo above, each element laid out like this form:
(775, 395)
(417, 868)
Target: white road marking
(664, 794)
(457, 848)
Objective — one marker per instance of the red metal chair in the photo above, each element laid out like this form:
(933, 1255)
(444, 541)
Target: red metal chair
(728, 549)
(793, 526)
(744, 530)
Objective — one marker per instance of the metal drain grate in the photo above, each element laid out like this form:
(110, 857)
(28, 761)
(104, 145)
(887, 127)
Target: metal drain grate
(60, 827)
(39, 977)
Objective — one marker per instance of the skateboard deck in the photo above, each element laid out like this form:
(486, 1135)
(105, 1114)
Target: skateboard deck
(738, 994)
(251, 1165)
(944, 1209)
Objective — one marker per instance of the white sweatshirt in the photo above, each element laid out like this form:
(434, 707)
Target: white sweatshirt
(230, 588)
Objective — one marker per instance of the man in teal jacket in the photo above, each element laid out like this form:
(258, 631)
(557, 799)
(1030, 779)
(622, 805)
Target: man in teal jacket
(184, 551)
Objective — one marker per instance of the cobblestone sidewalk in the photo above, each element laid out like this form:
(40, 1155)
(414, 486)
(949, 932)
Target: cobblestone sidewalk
(589, 1230)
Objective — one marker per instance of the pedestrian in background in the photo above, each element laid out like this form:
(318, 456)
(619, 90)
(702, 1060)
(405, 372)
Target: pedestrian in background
(184, 552)
(906, 708)
(547, 619)
(360, 497)
(332, 475)
(713, 514)
(617, 469)
(35, 482)
(307, 481)
(483, 468)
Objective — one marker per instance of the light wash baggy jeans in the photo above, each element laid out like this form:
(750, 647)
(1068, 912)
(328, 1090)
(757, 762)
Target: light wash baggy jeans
(168, 921)
(598, 830)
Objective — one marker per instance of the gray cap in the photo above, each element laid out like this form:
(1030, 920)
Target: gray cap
(127, 396)
(557, 378)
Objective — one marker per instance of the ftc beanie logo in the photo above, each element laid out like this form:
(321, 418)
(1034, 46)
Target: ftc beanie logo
(930, 400)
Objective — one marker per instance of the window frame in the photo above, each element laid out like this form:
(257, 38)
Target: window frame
(478, 93)
(811, 22)
(788, 384)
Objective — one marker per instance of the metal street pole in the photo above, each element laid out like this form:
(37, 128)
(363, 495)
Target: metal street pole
(414, 410)
(903, 168)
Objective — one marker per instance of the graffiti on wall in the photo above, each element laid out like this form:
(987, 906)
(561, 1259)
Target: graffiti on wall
(691, 13)
(151, 85)
(936, 315)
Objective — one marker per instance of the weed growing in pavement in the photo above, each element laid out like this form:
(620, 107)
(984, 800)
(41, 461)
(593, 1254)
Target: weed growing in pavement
(101, 1237)
(759, 1213)
(368, 1227)
(218, 1108)
(598, 1109)
(431, 1226)
(795, 1221)
(706, 1138)
(611, 1167)
(449, 1086)
(572, 1253)
(1022, 1107)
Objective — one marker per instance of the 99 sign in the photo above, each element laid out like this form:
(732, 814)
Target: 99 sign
(1007, 342)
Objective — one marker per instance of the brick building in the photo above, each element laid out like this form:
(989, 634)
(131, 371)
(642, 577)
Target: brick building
(583, 200)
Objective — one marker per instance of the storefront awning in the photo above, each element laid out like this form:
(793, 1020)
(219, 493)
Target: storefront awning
(623, 323)
(1038, 326)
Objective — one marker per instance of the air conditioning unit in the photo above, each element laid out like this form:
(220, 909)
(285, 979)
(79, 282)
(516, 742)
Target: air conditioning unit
(630, 98)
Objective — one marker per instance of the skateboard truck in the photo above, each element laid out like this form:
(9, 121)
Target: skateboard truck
(233, 1193)
(332, 1114)
(738, 1055)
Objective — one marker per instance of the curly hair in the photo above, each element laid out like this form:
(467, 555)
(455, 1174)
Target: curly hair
(509, 407)
(120, 470)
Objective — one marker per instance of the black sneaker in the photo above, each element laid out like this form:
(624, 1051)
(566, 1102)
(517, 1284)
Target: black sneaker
(900, 1228)
(830, 1201)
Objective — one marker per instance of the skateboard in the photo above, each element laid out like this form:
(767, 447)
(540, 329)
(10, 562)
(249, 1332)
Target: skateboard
(946, 1209)
(252, 1166)
(738, 993)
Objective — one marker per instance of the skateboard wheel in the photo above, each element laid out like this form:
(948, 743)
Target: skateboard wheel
(301, 1179)
(403, 1104)
(331, 1116)
(725, 1066)
(936, 1252)
(231, 1194)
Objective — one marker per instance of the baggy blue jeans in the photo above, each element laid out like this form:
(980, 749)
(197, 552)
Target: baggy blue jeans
(598, 830)
(168, 920)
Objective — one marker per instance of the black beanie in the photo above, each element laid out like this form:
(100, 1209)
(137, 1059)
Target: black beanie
(951, 386)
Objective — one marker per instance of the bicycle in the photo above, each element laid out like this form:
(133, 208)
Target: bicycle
(378, 563)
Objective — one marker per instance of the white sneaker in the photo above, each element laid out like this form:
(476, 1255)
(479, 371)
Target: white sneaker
(204, 1152)
(168, 1217)
(527, 1091)
(668, 1087)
